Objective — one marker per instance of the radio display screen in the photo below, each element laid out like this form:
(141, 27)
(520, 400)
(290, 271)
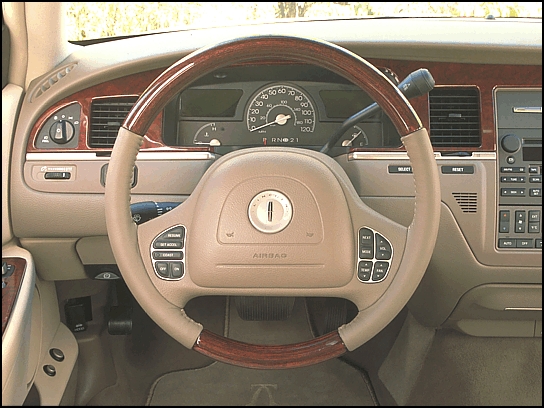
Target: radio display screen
(532, 154)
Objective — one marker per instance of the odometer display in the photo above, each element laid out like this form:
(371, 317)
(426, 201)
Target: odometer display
(281, 114)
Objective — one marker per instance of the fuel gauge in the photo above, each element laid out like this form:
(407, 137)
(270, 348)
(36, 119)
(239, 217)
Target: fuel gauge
(355, 137)
(207, 135)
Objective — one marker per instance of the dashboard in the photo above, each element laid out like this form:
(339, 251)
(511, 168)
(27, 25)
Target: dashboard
(473, 129)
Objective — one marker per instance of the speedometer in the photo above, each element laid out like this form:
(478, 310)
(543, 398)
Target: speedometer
(281, 113)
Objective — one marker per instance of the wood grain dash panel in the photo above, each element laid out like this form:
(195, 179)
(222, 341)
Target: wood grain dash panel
(10, 292)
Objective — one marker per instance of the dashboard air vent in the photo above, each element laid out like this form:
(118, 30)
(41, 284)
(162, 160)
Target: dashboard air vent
(467, 201)
(107, 116)
(455, 117)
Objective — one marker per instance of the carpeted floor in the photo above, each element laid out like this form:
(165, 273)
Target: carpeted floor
(466, 370)
(333, 382)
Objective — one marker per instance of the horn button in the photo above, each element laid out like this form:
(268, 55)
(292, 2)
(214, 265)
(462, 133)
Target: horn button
(270, 211)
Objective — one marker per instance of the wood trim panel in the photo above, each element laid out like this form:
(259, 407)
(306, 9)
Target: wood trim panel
(485, 77)
(10, 292)
(270, 357)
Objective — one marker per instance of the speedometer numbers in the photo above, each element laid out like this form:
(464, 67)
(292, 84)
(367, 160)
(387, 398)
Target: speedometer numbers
(281, 114)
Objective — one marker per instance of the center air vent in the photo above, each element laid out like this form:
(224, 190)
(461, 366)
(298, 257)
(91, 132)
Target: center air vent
(107, 116)
(455, 117)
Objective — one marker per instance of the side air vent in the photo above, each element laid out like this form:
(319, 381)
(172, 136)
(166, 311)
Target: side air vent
(107, 116)
(455, 117)
(467, 201)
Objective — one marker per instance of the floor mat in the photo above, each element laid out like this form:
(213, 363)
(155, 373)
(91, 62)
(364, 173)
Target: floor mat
(332, 382)
(329, 383)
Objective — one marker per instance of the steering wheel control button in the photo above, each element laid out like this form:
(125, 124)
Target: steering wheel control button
(176, 270)
(160, 244)
(168, 254)
(177, 234)
(380, 270)
(374, 253)
(365, 270)
(162, 269)
(270, 212)
(383, 248)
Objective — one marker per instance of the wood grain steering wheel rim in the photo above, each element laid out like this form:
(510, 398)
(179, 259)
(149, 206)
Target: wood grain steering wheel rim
(421, 235)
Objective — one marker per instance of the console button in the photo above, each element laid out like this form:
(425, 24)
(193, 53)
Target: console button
(534, 227)
(524, 243)
(507, 243)
(535, 192)
(364, 270)
(534, 215)
(538, 243)
(512, 169)
(519, 192)
(533, 169)
(504, 221)
(520, 221)
(513, 179)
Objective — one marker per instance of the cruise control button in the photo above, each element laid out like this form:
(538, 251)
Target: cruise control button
(167, 255)
(364, 270)
(177, 234)
(162, 269)
(380, 269)
(160, 244)
(176, 270)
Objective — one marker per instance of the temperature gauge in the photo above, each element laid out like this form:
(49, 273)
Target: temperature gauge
(207, 135)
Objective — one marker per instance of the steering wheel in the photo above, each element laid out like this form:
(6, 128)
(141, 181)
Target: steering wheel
(271, 221)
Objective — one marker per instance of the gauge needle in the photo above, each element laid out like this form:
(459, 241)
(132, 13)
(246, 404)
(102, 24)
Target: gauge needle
(348, 142)
(281, 119)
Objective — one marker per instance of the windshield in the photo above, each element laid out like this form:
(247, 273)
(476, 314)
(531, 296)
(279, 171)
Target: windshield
(87, 20)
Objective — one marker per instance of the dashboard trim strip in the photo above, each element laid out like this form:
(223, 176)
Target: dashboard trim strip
(88, 156)
(404, 156)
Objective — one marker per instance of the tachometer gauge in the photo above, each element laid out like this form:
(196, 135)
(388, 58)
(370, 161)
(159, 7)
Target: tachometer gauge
(281, 113)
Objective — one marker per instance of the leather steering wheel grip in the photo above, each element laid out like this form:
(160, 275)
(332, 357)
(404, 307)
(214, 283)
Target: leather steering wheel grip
(421, 235)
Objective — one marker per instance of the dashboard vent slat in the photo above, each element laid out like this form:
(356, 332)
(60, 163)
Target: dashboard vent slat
(107, 116)
(467, 201)
(454, 117)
